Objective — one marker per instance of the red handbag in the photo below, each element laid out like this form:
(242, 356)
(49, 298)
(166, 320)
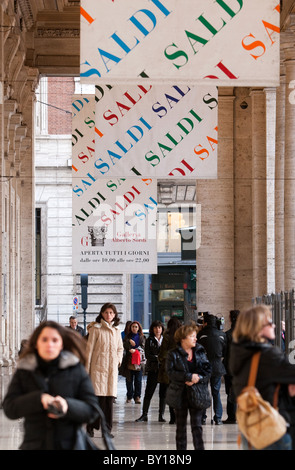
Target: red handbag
(135, 359)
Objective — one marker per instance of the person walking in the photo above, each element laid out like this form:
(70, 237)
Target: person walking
(74, 325)
(51, 378)
(187, 364)
(126, 329)
(214, 343)
(133, 342)
(254, 331)
(168, 343)
(152, 348)
(104, 354)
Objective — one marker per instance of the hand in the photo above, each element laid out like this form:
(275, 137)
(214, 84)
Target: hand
(132, 350)
(46, 400)
(291, 390)
(57, 401)
(195, 380)
(132, 342)
(61, 403)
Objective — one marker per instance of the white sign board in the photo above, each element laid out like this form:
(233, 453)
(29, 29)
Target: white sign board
(159, 131)
(235, 42)
(113, 220)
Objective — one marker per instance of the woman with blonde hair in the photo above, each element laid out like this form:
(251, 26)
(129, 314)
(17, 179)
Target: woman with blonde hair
(255, 331)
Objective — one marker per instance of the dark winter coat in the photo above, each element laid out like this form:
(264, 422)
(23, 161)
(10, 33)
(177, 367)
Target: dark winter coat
(229, 339)
(152, 349)
(124, 369)
(168, 343)
(178, 373)
(68, 379)
(214, 342)
(274, 368)
(78, 329)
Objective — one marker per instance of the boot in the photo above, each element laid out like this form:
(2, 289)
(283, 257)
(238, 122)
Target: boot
(145, 409)
(162, 410)
(89, 430)
(172, 415)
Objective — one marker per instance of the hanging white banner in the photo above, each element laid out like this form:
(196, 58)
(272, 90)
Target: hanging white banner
(113, 221)
(159, 131)
(235, 42)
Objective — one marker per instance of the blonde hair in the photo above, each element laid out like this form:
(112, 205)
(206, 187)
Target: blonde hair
(184, 331)
(250, 323)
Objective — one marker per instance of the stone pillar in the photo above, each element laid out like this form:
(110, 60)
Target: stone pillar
(289, 171)
(279, 183)
(27, 221)
(243, 197)
(215, 257)
(1, 186)
(259, 194)
(270, 112)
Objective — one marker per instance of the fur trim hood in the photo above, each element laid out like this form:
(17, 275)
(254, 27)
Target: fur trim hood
(102, 324)
(29, 362)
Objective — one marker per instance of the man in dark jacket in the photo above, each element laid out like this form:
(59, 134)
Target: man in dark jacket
(74, 325)
(214, 342)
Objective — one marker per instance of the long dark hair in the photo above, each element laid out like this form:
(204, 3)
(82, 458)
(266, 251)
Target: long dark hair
(153, 325)
(140, 332)
(173, 324)
(72, 341)
(104, 308)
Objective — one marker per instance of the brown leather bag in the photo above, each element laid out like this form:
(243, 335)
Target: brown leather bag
(258, 421)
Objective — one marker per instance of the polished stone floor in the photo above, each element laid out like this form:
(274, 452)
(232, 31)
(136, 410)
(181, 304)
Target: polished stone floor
(130, 435)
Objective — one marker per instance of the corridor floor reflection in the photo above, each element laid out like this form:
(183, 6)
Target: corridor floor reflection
(130, 435)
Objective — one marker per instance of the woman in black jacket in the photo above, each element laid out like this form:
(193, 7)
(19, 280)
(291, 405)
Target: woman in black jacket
(254, 331)
(187, 364)
(51, 389)
(152, 348)
(168, 343)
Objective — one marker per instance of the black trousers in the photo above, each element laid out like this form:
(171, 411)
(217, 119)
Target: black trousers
(196, 428)
(106, 405)
(231, 404)
(151, 385)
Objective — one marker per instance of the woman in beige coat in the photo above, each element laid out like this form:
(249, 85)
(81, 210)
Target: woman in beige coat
(104, 355)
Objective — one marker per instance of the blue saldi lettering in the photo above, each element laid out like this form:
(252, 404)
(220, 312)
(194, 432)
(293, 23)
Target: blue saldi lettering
(135, 134)
(89, 72)
(122, 44)
(109, 56)
(110, 59)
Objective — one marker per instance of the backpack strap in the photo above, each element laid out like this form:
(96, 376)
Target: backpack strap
(253, 369)
(276, 397)
(253, 374)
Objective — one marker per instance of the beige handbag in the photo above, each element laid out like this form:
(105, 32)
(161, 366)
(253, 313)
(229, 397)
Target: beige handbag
(258, 421)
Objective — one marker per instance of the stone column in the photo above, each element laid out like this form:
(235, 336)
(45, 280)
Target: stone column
(27, 221)
(215, 257)
(270, 112)
(259, 194)
(1, 186)
(289, 170)
(243, 197)
(279, 183)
